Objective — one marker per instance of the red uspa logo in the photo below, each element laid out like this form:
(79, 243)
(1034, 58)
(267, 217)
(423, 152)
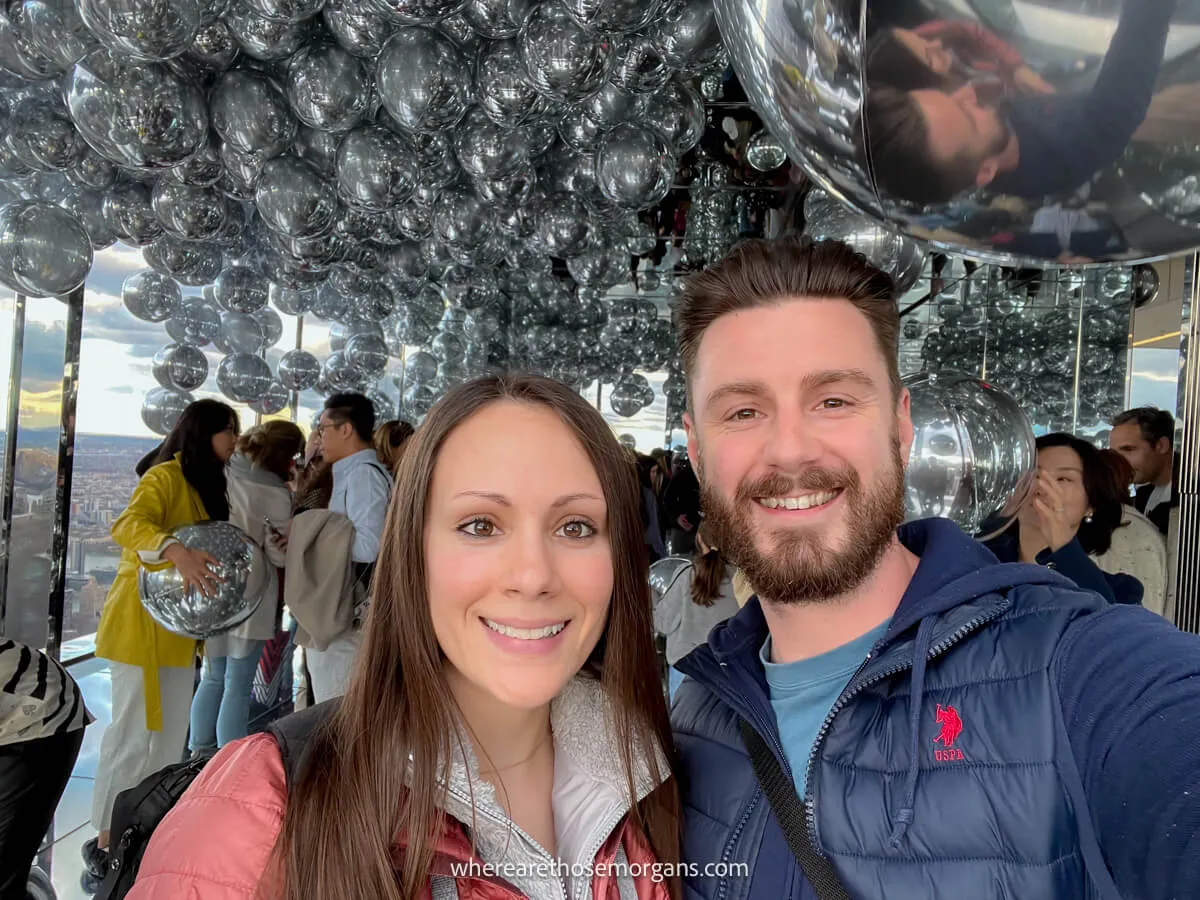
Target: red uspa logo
(952, 726)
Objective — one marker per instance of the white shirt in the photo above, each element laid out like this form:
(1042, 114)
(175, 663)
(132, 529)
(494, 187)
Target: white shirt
(1160, 494)
(361, 488)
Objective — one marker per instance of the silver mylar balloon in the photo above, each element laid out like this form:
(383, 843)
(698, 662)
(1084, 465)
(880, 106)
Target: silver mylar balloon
(418, 12)
(678, 112)
(563, 60)
(299, 370)
(686, 34)
(634, 167)
(265, 39)
(663, 574)
(764, 152)
(496, 19)
(243, 377)
(291, 302)
(251, 114)
(189, 213)
(140, 115)
(150, 30)
(162, 408)
(272, 325)
(423, 80)
(151, 297)
(292, 12)
(900, 256)
(294, 199)
(640, 68)
(188, 612)
(616, 16)
(502, 88)
(196, 323)
(376, 168)
(241, 333)
(240, 289)
(368, 353)
(185, 261)
(358, 28)
(44, 250)
(180, 367)
(328, 87)
(561, 224)
(274, 400)
(486, 150)
(973, 457)
(215, 48)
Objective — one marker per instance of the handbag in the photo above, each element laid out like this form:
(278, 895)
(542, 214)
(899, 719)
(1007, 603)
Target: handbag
(792, 814)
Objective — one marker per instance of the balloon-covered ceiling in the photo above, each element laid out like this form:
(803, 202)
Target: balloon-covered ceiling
(462, 186)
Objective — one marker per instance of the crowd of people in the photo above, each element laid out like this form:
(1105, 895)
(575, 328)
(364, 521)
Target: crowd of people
(860, 706)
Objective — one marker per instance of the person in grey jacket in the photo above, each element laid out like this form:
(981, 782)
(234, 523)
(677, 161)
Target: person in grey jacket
(698, 595)
(261, 506)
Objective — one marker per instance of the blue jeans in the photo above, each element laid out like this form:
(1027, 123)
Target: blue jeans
(221, 707)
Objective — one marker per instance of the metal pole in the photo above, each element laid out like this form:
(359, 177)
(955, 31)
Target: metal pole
(10, 449)
(294, 399)
(1186, 612)
(66, 462)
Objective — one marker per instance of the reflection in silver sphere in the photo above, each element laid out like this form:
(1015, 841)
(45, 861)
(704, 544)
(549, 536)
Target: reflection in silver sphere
(973, 455)
(1039, 131)
(188, 612)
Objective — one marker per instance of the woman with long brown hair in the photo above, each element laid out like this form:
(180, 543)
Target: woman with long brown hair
(697, 596)
(503, 733)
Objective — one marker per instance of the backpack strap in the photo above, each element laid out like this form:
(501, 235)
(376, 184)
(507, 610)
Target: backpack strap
(293, 733)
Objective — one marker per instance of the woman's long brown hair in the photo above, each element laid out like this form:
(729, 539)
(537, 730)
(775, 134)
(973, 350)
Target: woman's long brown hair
(352, 799)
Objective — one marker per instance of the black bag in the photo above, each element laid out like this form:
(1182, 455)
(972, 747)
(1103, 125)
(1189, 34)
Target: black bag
(137, 811)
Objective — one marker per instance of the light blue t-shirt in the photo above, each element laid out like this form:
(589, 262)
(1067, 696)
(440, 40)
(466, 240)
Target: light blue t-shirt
(803, 693)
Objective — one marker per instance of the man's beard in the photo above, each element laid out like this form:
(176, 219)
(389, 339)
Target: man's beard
(798, 567)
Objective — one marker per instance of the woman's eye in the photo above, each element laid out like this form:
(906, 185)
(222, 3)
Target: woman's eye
(577, 530)
(479, 528)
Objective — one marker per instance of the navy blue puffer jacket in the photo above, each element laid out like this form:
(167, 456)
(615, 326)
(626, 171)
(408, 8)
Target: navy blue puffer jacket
(998, 742)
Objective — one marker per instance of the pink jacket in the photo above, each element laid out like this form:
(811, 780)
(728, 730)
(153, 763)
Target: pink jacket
(215, 843)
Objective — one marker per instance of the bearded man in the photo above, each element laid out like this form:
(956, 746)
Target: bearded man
(925, 722)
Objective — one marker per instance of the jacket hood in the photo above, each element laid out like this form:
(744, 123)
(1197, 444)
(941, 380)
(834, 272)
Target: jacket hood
(241, 467)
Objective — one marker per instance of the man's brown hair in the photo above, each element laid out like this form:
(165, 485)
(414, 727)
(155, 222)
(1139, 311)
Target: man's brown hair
(761, 273)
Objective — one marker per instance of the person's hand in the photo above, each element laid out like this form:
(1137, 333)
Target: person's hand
(1029, 80)
(193, 566)
(278, 540)
(1057, 529)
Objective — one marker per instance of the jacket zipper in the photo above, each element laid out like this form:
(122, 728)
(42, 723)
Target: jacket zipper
(854, 689)
(723, 887)
(564, 883)
(509, 823)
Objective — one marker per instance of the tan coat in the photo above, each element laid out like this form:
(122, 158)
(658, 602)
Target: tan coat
(318, 581)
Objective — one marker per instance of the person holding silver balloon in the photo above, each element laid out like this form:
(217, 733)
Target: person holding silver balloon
(895, 714)
(259, 504)
(1069, 519)
(503, 734)
(152, 669)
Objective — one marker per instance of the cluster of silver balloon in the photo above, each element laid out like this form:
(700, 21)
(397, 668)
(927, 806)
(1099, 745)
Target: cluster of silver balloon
(900, 256)
(711, 220)
(1051, 342)
(406, 169)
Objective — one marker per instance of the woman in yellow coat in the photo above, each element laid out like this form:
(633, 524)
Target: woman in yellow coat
(153, 670)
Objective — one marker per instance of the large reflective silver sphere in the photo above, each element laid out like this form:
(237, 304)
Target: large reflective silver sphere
(1034, 131)
(188, 612)
(973, 457)
(663, 573)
